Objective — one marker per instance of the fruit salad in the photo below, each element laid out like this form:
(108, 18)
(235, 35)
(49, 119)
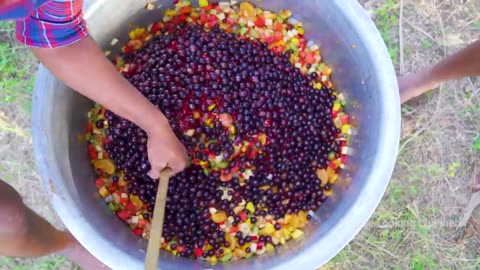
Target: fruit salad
(251, 99)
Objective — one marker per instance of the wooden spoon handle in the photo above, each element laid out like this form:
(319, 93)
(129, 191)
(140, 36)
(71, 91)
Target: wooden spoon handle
(153, 249)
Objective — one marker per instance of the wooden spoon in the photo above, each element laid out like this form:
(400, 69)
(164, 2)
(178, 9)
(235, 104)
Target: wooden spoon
(153, 249)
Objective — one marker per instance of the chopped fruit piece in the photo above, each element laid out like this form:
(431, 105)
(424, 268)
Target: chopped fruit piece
(297, 234)
(124, 215)
(136, 201)
(100, 183)
(103, 192)
(227, 257)
(203, 3)
(189, 132)
(231, 240)
(219, 217)
(328, 193)
(226, 177)
(198, 252)
(150, 6)
(269, 229)
(104, 164)
(240, 253)
(248, 8)
(226, 120)
(250, 207)
(243, 216)
(323, 176)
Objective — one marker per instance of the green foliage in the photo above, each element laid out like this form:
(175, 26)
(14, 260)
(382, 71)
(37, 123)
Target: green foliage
(426, 43)
(476, 143)
(477, 25)
(387, 23)
(422, 261)
(17, 67)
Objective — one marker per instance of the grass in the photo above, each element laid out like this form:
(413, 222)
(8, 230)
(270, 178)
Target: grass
(387, 23)
(426, 43)
(477, 25)
(414, 226)
(55, 263)
(476, 143)
(17, 66)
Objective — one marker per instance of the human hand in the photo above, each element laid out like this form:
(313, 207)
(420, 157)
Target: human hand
(165, 150)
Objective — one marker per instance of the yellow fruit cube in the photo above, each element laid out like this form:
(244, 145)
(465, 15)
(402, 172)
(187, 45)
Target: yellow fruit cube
(284, 14)
(270, 248)
(333, 179)
(287, 218)
(203, 3)
(105, 164)
(213, 259)
(248, 8)
(269, 15)
(323, 176)
(275, 240)
(328, 193)
(293, 222)
(231, 240)
(264, 188)
(300, 31)
(295, 41)
(116, 198)
(136, 201)
(219, 217)
(336, 106)
(302, 219)
(103, 192)
(297, 234)
(269, 229)
(250, 207)
(240, 253)
(170, 13)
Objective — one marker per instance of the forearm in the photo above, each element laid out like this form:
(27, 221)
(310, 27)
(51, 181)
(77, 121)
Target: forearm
(462, 64)
(83, 67)
(22, 232)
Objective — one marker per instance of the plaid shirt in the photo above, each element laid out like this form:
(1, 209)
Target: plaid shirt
(54, 23)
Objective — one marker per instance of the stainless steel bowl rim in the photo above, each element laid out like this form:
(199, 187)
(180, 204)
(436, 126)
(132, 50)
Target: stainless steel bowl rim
(313, 256)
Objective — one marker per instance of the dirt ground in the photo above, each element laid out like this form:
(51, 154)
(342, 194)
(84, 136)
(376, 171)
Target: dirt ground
(415, 226)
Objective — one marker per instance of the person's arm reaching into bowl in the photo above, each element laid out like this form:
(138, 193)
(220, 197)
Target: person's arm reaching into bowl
(462, 64)
(83, 67)
(59, 39)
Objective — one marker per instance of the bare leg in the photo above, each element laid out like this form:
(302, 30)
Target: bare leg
(25, 234)
(462, 64)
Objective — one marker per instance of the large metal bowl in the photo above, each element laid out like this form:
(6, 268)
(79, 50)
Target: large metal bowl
(363, 71)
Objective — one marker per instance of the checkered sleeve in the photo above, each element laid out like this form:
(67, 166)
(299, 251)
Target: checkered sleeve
(54, 24)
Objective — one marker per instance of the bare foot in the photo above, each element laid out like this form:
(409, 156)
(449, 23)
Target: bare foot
(80, 256)
(413, 85)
